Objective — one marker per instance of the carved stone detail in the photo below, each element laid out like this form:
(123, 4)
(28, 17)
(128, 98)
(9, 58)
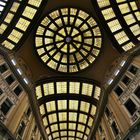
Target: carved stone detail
(130, 88)
(7, 90)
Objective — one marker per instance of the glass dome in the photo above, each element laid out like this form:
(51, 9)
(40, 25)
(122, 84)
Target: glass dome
(68, 40)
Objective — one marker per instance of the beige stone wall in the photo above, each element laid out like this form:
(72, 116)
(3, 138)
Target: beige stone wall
(119, 113)
(18, 111)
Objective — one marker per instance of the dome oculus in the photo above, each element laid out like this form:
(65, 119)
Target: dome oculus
(68, 40)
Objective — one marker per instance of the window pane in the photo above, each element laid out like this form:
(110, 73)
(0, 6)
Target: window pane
(10, 79)
(126, 80)
(1, 91)
(6, 105)
(18, 90)
(118, 91)
(3, 68)
(133, 69)
(130, 106)
(114, 128)
(21, 128)
(137, 92)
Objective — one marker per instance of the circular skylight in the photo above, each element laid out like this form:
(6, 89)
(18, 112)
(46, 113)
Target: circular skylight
(68, 40)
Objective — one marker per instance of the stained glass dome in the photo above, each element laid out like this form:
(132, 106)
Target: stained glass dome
(68, 40)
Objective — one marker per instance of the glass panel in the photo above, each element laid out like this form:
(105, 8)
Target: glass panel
(82, 118)
(114, 128)
(52, 118)
(130, 106)
(15, 36)
(72, 126)
(48, 131)
(79, 135)
(87, 131)
(63, 133)
(35, 2)
(84, 106)
(72, 116)
(82, 14)
(50, 106)
(121, 37)
(63, 126)
(137, 92)
(62, 104)
(81, 127)
(6, 106)
(45, 122)
(93, 110)
(108, 13)
(124, 8)
(114, 25)
(97, 92)
(48, 88)
(118, 90)
(54, 127)
(87, 89)
(90, 122)
(71, 133)
(74, 87)
(22, 24)
(42, 109)
(73, 105)
(38, 92)
(135, 29)
(61, 87)
(62, 116)
(103, 3)
(29, 12)
(55, 135)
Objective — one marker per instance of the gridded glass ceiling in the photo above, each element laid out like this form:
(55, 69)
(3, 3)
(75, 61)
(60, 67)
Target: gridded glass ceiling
(123, 20)
(68, 40)
(68, 107)
(17, 20)
(3, 4)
